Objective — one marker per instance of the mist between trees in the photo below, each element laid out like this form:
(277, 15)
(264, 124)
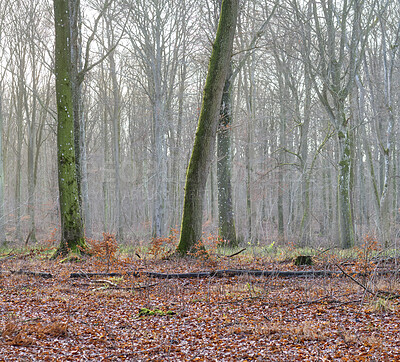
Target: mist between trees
(311, 144)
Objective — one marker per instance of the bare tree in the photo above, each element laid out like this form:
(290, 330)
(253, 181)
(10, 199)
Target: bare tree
(332, 69)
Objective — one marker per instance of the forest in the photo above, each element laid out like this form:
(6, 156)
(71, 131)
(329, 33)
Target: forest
(199, 180)
(312, 134)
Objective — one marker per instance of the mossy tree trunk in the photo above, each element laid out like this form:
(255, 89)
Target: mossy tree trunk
(203, 149)
(346, 226)
(76, 82)
(72, 235)
(226, 222)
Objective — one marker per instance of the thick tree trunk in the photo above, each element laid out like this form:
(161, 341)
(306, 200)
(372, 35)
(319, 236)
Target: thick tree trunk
(203, 149)
(226, 222)
(72, 235)
(76, 84)
(79, 120)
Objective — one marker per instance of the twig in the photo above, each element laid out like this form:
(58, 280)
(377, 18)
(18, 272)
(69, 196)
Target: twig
(115, 286)
(238, 252)
(324, 251)
(355, 280)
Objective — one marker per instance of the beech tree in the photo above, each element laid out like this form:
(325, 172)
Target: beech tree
(72, 235)
(226, 221)
(204, 143)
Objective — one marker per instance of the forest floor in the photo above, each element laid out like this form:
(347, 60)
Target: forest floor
(130, 317)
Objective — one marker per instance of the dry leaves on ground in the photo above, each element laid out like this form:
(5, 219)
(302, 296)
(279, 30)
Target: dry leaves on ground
(128, 318)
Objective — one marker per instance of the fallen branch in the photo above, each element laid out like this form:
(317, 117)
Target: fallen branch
(237, 253)
(216, 273)
(31, 273)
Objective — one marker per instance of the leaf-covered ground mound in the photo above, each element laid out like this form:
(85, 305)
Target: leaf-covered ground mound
(133, 317)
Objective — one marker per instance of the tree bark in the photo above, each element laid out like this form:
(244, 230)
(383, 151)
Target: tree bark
(346, 226)
(19, 142)
(79, 119)
(2, 215)
(115, 115)
(72, 235)
(203, 149)
(226, 221)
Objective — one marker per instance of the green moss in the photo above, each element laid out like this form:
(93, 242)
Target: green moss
(72, 237)
(144, 312)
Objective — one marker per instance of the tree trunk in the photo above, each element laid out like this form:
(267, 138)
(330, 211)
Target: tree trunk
(177, 149)
(79, 121)
(116, 147)
(87, 216)
(305, 226)
(31, 119)
(160, 158)
(31, 127)
(203, 149)
(249, 95)
(72, 235)
(19, 142)
(226, 222)
(76, 84)
(346, 226)
(2, 216)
